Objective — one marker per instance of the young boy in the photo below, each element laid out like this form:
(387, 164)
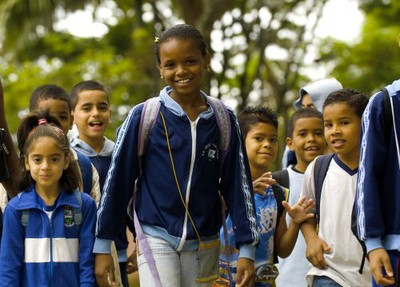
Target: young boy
(306, 139)
(333, 250)
(259, 127)
(55, 100)
(92, 114)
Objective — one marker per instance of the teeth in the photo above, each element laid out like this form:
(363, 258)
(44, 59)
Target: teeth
(183, 81)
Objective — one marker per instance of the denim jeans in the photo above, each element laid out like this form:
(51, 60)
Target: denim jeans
(323, 281)
(176, 269)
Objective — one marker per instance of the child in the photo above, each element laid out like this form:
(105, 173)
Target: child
(334, 251)
(377, 201)
(92, 114)
(177, 201)
(259, 127)
(44, 242)
(306, 139)
(313, 96)
(56, 101)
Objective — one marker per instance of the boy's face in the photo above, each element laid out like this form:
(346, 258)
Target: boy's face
(59, 109)
(306, 102)
(307, 141)
(261, 146)
(92, 114)
(342, 129)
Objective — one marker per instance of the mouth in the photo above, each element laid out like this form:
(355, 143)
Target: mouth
(337, 143)
(96, 124)
(312, 149)
(183, 81)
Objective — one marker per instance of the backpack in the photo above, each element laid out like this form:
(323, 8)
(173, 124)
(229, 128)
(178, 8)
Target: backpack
(281, 177)
(77, 212)
(85, 166)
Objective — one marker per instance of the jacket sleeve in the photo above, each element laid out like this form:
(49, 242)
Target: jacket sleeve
(86, 241)
(373, 154)
(119, 185)
(237, 189)
(12, 248)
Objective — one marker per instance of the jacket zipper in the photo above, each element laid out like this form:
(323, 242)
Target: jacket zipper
(192, 160)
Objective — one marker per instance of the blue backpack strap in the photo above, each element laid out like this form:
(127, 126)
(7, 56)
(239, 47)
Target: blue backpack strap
(86, 169)
(320, 169)
(78, 210)
(224, 124)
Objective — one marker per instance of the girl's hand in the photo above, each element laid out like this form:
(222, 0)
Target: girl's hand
(263, 182)
(301, 211)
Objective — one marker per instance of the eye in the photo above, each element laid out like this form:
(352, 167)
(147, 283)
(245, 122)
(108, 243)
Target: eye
(319, 133)
(103, 108)
(273, 140)
(36, 160)
(258, 138)
(327, 125)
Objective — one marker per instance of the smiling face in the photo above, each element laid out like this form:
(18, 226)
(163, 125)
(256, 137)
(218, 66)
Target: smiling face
(182, 66)
(46, 162)
(342, 131)
(92, 116)
(307, 141)
(261, 147)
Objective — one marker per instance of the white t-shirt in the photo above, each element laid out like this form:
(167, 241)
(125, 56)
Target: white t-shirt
(337, 198)
(293, 269)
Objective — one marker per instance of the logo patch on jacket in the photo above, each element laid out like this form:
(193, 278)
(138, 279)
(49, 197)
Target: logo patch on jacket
(211, 152)
(68, 216)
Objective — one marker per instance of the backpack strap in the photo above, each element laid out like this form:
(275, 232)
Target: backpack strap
(281, 177)
(280, 193)
(148, 118)
(320, 169)
(78, 210)
(86, 169)
(387, 109)
(224, 123)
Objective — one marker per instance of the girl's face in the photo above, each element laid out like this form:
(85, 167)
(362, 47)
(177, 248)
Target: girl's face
(46, 162)
(182, 66)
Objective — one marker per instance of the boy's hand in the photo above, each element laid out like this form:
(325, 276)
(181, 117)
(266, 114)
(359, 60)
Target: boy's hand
(315, 252)
(104, 270)
(261, 183)
(246, 273)
(301, 211)
(380, 267)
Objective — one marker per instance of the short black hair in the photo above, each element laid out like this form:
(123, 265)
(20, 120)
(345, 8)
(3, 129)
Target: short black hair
(352, 97)
(47, 92)
(302, 114)
(180, 31)
(89, 85)
(250, 116)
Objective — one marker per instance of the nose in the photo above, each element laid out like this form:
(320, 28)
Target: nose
(45, 164)
(180, 69)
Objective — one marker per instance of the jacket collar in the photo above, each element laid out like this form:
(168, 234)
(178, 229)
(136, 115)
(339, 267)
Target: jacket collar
(29, 199)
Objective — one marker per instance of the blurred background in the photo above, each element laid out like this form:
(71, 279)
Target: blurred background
(262, 51)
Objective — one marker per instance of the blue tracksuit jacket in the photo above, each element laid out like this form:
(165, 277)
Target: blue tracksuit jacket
(195, 149)
(378, 187)
(47, 252)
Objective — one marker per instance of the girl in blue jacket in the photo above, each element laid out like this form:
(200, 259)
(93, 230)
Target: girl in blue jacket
(48, 230)
(179, 178)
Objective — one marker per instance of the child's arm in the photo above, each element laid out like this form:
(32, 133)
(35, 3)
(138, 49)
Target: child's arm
(12, 248)
(379, 261)
(316, 247)
(285, 238)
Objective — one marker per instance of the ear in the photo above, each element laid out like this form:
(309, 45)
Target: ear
(161, 71)
(26, 161)
(71, 121)
(289, 143)
(207, 61)
(67, 159)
